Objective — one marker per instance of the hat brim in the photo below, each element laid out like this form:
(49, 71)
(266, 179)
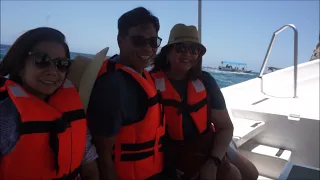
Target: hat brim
(186, 39)
(89, 76)
(83, 73)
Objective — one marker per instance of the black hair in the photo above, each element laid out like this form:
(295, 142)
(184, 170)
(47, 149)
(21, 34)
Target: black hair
(161, 63)
(14, 60)
(135, 17)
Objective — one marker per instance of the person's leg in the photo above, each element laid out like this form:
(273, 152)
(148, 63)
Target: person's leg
(247, 169)
(227, 171)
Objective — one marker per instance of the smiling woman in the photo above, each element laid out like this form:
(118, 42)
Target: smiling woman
(40, 107)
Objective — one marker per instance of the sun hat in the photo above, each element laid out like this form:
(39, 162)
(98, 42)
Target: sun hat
(183, 33)
(83, 73)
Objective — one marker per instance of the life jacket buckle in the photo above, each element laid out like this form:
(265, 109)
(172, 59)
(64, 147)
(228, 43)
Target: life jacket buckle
(183, 108)
(60, 125)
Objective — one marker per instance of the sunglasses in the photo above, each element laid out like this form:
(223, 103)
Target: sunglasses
(140, 41)
(194, 49)
(43, 60)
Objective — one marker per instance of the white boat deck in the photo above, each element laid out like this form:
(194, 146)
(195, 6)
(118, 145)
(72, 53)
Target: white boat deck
(277, 97)
(271, 127)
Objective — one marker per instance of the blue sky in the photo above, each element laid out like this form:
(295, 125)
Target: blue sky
(232, 30)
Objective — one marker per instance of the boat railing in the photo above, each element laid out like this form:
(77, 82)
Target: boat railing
(295, 55)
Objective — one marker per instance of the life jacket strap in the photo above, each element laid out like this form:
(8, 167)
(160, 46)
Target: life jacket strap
(138, 147)
(183, 107)
(54, 128)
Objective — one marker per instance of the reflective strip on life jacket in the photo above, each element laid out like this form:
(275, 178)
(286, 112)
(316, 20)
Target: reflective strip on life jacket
(194, 104)
(136, 152)
(198, 85)
(138, 149)
(52, 135)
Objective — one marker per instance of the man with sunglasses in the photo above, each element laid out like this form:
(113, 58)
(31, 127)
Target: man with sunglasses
(124, 115)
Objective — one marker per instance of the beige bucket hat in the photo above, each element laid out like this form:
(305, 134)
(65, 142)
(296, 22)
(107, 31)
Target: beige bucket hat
(83, 73)
(183, 33)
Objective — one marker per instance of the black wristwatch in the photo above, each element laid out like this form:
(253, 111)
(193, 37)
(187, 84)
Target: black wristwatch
(216, 160)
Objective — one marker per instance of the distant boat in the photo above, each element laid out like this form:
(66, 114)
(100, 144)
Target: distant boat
(233, 67)
(316, 52)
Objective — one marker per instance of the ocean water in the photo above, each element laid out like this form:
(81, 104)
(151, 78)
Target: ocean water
(223, 79)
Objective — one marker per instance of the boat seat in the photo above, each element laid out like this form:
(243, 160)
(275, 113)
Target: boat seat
(245, 129)
(263, 178)
(268, 160)
(294, 171)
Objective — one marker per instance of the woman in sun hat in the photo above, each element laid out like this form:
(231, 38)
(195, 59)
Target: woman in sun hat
(192, 103)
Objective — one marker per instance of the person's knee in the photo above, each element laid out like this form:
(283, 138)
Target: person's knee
(253, 175)
(228, 171)
(234, 173)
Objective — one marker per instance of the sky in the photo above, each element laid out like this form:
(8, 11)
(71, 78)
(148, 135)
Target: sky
(231, 30)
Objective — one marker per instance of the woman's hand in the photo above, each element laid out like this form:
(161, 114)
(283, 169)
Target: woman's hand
(208, 171)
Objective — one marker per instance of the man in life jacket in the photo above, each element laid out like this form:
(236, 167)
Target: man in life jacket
(123, 113)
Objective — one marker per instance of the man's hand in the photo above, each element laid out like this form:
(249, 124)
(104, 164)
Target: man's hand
(208, 171)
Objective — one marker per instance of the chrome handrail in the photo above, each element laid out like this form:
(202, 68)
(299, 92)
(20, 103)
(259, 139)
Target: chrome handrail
(295, 55)
(200, 18)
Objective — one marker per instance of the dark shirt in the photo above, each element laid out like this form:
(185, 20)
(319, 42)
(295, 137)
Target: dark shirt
(216, 101)
(117, 100)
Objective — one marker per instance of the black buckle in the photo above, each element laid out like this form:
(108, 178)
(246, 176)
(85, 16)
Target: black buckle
(60, 125)
(183, 107)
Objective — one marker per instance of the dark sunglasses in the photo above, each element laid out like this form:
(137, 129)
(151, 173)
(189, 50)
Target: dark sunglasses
(140, 41)
(43, 60)
(194, 49)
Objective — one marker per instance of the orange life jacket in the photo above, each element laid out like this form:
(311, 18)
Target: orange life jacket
(195, 105)
(52, 135)
(138, 148)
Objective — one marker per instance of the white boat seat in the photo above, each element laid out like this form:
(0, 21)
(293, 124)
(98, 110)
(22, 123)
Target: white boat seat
(268, 160)
(294, 171)
(245, 129)
(272, 152)
(263, 178)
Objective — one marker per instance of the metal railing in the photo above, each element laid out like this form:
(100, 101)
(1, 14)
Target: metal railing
(295, 55)
(200, 18)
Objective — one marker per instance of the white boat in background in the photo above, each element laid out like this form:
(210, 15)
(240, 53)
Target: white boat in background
(233, 67)
(276, 118)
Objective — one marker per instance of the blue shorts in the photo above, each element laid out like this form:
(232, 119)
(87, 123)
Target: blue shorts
(231, 152)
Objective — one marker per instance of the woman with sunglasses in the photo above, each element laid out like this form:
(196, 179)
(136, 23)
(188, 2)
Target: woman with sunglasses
(192, 101)
(43, 132)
